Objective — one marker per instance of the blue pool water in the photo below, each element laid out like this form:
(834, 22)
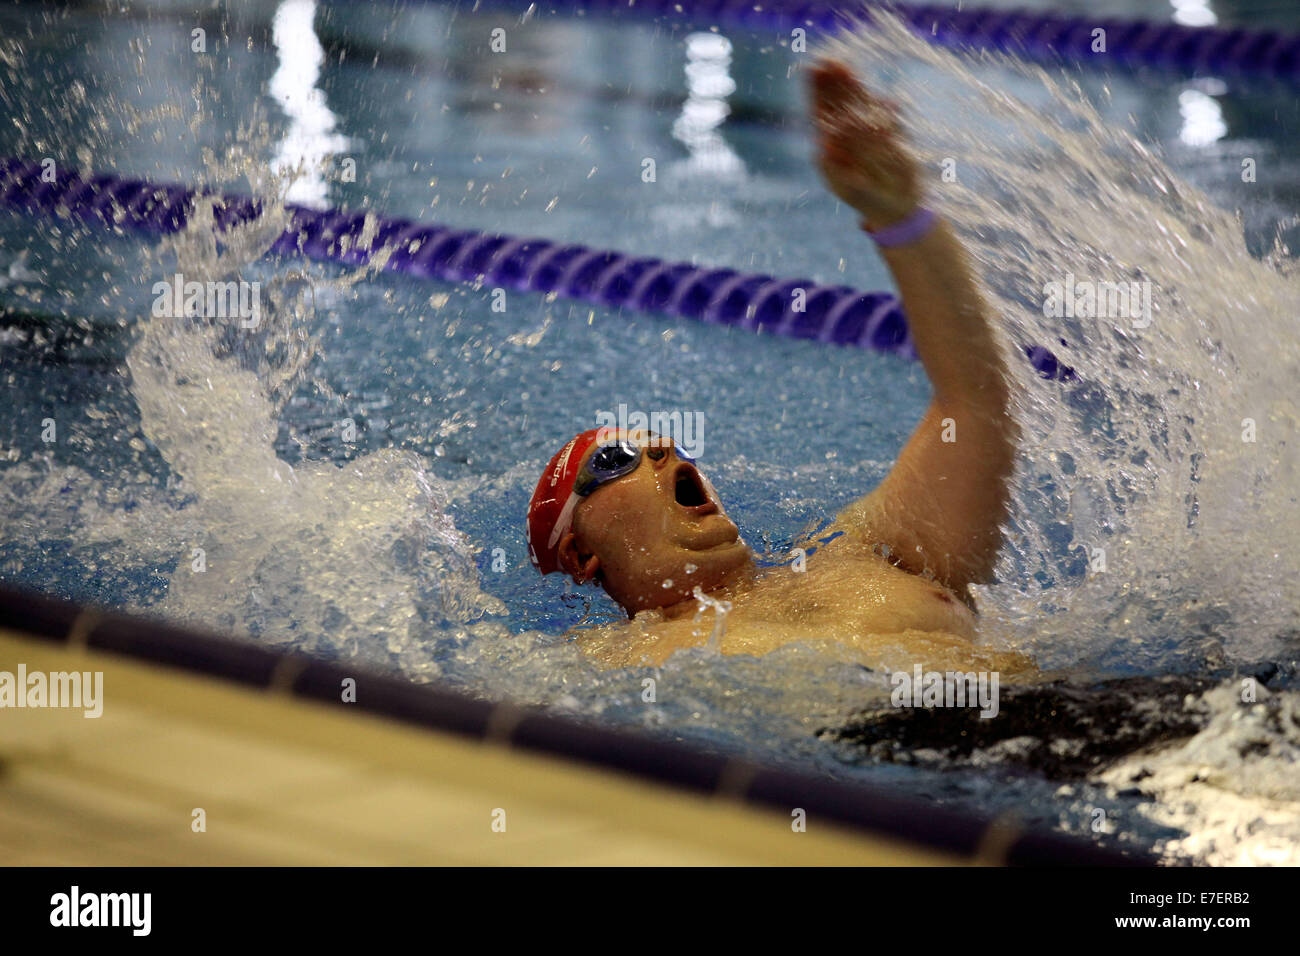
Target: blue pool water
(550, 140)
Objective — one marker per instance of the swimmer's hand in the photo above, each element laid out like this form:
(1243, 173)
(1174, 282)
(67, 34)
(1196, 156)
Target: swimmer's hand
(860, 149)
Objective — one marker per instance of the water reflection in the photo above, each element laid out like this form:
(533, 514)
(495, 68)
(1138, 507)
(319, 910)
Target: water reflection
(708, 84)
(311, 137)
(1202, 118)
(1193, 13)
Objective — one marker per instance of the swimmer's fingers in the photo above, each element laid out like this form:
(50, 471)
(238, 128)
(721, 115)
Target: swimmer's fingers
(833, 88)
(842, 103)
(860, 149)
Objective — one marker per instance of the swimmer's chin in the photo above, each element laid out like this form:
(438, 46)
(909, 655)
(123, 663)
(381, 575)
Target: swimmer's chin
(728, 559)
(720, 563)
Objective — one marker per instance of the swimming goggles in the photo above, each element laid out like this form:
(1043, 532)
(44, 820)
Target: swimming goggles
(610, 461)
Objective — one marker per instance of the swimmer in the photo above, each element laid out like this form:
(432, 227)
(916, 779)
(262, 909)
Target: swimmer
(629, 510)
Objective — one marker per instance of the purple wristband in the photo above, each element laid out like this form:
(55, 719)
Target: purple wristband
(917, 224)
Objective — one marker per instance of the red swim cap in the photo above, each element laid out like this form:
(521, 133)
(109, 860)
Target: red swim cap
(552, 492)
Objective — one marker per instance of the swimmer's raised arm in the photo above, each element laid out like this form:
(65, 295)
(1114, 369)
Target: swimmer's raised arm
(940, 508)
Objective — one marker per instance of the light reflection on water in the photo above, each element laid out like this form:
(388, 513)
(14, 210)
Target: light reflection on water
(311, 138)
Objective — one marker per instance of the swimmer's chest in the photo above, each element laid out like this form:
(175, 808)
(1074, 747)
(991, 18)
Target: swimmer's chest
(852, 599)
(853, 594)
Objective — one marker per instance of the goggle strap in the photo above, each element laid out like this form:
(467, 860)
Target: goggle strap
(564, 521)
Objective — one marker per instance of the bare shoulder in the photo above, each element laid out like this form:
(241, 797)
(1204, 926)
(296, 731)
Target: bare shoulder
(848, 601)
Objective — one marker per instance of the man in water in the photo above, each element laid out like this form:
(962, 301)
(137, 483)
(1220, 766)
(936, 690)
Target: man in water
(628, 510)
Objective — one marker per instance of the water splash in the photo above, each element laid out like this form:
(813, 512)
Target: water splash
(720, 611)
(1170, 462)
(336, 561)
(1154, 505)
(1232, 790)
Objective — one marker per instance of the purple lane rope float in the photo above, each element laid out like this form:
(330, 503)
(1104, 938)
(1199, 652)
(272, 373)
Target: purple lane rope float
(1042, 37)
(834, 314)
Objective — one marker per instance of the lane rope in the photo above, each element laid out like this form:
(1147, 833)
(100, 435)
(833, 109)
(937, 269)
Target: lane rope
(834, 314)
(1041, 37)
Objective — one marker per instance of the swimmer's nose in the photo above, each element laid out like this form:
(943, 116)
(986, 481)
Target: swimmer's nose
(660, 452)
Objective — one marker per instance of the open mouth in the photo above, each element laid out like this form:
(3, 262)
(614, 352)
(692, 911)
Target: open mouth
(689, 492)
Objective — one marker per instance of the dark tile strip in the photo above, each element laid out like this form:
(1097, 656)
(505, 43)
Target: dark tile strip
(37, 616)
(160, 643)
(395, 698)
(664, 761)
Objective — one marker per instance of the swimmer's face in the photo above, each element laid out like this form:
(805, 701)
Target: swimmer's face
(657, 532)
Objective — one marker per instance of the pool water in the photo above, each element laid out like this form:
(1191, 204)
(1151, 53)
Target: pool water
(401, 545)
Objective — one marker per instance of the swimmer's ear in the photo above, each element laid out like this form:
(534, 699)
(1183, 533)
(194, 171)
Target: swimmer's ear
(582, 569)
